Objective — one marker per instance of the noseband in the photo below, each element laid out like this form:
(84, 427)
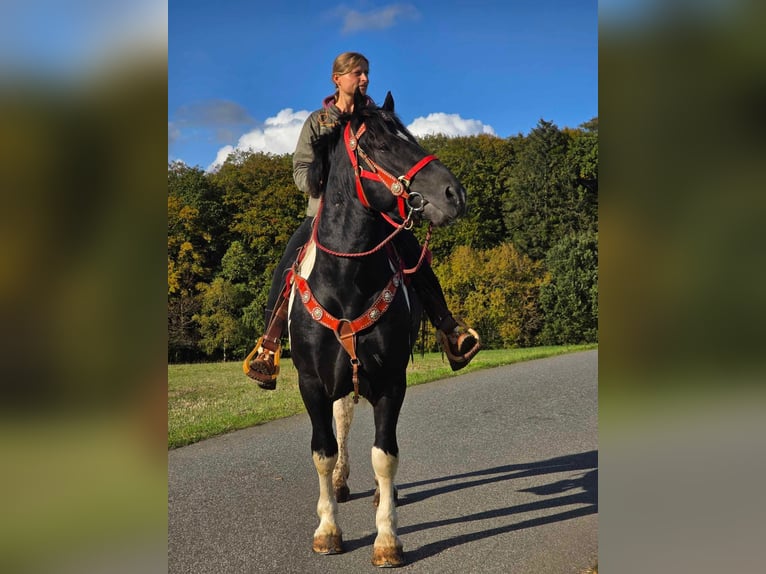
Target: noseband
(398, 186)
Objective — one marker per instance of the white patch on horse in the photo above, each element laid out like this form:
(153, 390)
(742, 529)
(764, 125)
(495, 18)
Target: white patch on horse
(305, 269)
(385, 467)
(327, 508)
(343, 413)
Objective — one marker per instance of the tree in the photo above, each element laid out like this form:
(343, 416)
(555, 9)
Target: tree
(582, 162)
(218, 318)
(193, 188)
(542, 204)
(496, 291)
(186, 272)
(482, 164)
(570, 299)
(526, 195)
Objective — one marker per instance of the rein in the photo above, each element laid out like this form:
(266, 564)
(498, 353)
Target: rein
(378, 247)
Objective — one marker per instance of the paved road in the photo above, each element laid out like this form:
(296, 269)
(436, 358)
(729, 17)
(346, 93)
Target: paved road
(497, 474)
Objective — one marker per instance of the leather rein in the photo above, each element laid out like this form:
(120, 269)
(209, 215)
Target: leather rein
(345, 330)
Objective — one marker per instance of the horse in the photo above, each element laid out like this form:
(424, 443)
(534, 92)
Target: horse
(351, 321)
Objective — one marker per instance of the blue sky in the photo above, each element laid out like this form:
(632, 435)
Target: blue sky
(246, 74)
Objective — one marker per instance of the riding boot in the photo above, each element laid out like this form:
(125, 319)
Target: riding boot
(264, 368)
(460, 342)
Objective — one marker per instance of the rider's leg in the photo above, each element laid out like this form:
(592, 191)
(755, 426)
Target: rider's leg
(264, 368)
(460, 343)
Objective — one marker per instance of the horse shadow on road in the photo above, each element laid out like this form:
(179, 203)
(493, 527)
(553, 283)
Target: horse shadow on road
(580, 490)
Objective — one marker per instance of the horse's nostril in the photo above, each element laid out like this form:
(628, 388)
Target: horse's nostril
(456, 196)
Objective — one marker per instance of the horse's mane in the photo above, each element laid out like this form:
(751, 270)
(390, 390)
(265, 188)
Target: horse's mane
(323, 146)
(380, 123)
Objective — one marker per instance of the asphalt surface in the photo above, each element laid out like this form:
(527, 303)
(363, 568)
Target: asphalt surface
(497, 474)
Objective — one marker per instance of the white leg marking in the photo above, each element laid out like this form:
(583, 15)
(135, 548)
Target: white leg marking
(385, 467)
(327, 508)
(343, 412)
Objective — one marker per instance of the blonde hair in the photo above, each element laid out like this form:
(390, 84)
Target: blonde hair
(346, 62)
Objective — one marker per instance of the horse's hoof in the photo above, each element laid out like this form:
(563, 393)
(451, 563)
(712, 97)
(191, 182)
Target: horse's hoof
(342, 494)
(388, 557)
(329, 544)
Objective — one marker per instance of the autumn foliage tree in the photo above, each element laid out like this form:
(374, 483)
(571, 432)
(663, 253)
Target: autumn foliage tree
(521, 265)
(496, 290)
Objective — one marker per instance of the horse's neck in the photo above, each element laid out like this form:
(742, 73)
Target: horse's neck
(348, 228)
(351, 230)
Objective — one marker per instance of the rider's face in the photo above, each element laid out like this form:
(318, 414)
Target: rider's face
(349, 82)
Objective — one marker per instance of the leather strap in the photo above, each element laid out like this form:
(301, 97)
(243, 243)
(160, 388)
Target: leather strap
(365, 320)
(276, 325)
(345, 330)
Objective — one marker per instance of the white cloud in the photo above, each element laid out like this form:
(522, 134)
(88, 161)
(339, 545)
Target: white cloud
(173, 133)
(451, 125)
(379, 19)
(277, 136)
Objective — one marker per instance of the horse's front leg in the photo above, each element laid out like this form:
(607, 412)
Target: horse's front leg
(328, 538)
(387, 550)
(343, 412)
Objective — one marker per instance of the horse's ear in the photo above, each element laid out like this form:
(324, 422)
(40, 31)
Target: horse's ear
(359, 101)
(388, 105)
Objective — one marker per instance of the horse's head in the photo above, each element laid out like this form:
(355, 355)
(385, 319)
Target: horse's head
(393, 173)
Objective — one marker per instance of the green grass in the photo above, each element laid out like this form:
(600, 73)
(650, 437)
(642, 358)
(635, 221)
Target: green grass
(208, 399)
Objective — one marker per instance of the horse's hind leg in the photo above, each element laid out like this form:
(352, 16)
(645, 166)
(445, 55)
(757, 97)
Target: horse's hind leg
(343, 411)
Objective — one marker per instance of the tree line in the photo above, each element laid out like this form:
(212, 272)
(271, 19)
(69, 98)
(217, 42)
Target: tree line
(521, 266)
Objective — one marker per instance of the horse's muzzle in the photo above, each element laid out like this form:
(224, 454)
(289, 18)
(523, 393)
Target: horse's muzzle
(456, 197)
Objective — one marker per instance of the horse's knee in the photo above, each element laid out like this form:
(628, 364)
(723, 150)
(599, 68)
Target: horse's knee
(324, 464)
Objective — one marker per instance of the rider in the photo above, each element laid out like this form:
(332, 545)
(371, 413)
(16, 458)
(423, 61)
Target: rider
(460, 343)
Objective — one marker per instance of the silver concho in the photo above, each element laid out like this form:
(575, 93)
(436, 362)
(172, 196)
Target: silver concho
(352, 143)
(374, 314)
(387, 296)
(305, 297)
(396, 188)
(317, 313)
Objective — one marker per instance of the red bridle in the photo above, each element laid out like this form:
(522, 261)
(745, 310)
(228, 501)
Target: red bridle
(398, 186)
(346, 330)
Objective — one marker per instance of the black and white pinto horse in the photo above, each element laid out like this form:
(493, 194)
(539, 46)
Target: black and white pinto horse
(352, 322)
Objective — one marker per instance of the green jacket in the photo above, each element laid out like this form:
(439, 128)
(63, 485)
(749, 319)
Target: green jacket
(318, 123)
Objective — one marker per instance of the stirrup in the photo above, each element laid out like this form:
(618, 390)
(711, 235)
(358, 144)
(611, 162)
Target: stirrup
(459, 361)
(267, 381)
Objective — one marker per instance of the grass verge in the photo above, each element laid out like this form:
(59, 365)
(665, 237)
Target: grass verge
(208, 399)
